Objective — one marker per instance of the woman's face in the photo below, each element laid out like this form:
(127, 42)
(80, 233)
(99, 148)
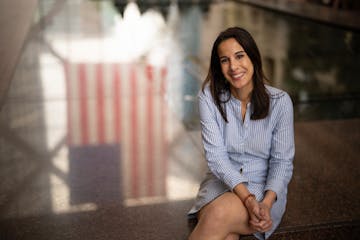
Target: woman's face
(236, 66)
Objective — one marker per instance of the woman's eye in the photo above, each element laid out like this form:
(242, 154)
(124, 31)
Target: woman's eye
(239, 56)
(223, 60)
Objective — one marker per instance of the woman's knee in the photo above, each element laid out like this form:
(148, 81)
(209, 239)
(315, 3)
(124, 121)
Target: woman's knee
(213, 216)
(225, 210)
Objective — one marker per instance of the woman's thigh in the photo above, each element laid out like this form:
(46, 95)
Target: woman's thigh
(227, 211)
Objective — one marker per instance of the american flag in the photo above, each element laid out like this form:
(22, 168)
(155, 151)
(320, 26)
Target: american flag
(116, 118)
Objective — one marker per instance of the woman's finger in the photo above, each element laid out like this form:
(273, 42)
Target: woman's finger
(261, 226)
(256, 228)
(257, 224)
(254, 218)
(265, 225)
(256, 213)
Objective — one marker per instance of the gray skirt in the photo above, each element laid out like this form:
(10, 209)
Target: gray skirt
(211, 188)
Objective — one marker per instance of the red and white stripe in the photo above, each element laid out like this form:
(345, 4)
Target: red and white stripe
(122, 103)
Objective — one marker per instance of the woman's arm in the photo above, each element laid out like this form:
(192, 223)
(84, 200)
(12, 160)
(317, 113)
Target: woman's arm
(214, 144)
(280, 163)
(282, 151)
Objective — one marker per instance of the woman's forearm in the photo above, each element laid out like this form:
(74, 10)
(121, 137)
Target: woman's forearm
(241, 191)
(270, 198)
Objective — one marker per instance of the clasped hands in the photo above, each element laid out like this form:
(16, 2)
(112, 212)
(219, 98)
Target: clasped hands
(259, 214)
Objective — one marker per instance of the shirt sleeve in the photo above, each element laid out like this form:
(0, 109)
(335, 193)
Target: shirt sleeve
(282, 148)
(214, 146)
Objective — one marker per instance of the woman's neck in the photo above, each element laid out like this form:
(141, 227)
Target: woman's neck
(244, 95)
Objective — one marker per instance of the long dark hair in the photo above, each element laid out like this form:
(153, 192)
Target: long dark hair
(219, 86)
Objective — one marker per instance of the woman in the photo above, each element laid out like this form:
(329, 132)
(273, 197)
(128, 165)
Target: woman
(248, 137)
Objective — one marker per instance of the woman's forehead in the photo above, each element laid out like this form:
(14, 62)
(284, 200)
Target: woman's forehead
(229, 46)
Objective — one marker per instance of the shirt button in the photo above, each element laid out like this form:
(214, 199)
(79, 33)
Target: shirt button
(241, 170)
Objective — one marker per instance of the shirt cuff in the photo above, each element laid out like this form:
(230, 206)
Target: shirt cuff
(232, 182)
(275, 186)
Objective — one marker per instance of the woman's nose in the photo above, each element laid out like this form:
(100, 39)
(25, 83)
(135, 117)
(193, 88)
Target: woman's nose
(233, 65)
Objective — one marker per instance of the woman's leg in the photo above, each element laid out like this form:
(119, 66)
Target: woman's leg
(220, 218)
(232, 236)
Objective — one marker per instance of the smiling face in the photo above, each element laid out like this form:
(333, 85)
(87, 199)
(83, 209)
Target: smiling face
(236, 67)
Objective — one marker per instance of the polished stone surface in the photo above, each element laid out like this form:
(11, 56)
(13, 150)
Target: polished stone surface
(99, 133)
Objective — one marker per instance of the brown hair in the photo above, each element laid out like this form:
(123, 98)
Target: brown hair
(219, 85)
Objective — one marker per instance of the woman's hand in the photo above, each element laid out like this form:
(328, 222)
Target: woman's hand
(265, 222)
(259, 213)
(253, 208)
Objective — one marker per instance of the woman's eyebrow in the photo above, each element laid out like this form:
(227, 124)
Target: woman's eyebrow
(224, 56)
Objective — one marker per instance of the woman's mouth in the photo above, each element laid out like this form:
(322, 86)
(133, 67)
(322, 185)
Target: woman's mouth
(237, 76)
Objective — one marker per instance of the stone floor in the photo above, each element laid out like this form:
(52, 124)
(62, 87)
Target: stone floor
(99, 140)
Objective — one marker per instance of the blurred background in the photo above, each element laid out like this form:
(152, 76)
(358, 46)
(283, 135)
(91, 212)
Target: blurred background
(99, 128)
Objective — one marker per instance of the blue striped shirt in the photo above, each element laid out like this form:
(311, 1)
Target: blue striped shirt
(258, 151)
